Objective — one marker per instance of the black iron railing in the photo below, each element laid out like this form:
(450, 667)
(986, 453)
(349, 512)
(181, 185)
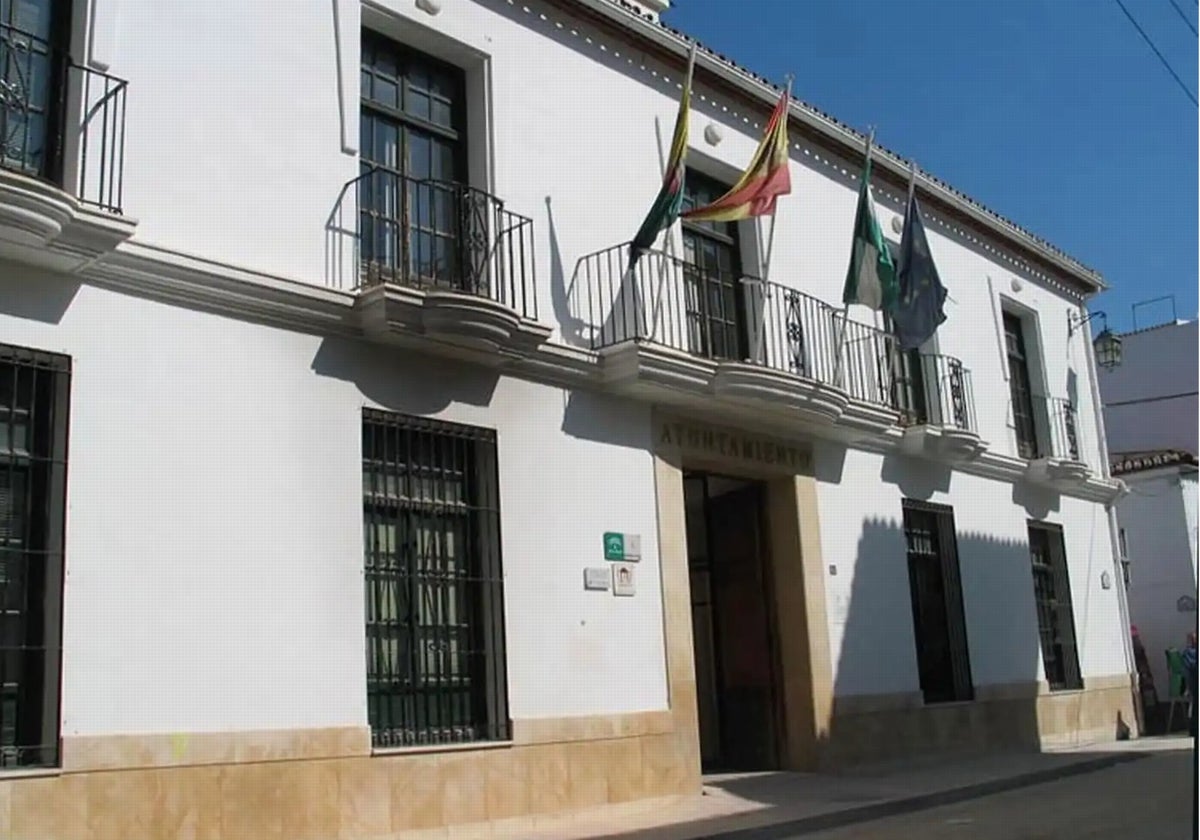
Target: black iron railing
(934, 390)
(61, 121)
(1064, 439)
(667, 301)
(428, 234)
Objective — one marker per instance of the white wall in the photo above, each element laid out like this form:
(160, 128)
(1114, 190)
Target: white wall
(569, 126)
(1158, 517)
(870, 612)
(1158, 363)
(214, 536)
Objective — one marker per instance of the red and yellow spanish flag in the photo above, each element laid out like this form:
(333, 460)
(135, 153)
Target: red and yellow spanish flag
(765, 179)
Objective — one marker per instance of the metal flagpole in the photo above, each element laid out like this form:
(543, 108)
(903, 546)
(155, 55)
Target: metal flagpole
(760, 338)
(670, 243)
(841, 344)
(893, 340)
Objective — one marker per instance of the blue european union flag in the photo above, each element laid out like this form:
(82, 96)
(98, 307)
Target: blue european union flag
(919, 307)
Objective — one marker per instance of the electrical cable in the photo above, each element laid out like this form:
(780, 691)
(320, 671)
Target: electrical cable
(1161, 57)
(1185, 17)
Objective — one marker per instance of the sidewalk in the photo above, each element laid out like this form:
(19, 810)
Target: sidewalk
(759, 806)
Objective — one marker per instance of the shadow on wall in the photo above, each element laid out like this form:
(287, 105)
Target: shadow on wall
(565, 298)
(587, 308)
(35, 295)
(398, 379)
(880, 649)
(600, 418)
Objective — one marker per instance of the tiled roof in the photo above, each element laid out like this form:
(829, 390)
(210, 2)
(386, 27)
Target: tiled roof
(1131, 462)
(1093, 275)
(1176, 323)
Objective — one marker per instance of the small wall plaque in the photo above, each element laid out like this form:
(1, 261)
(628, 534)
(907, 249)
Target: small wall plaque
(623, 579)
(596, 578)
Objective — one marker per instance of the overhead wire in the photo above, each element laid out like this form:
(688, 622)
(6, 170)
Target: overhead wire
(1185, 17)
(1161, 57)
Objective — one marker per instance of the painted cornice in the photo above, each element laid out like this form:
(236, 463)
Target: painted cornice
(844, 140)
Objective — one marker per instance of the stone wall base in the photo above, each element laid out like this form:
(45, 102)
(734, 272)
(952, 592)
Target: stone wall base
(449, 793)
(873, 728)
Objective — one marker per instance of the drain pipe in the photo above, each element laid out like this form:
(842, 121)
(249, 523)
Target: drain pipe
(1113, 527)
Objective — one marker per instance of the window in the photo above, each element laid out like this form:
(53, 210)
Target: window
(713, 277)
(418, 222)
(936, 590)
(907, 376)
(33, 451)
(1020, 387)
(434, 587)
(32, 74)
(1056, 618)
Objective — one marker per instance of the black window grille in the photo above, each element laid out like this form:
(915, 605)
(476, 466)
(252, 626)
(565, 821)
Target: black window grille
(1020, 386)
(1056, 616)
(32, 72)
(434, 583)
(714, 295)
(34, 394)
(936, 589)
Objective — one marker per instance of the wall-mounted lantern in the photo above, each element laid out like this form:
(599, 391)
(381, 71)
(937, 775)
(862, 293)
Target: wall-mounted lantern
(1107, 345)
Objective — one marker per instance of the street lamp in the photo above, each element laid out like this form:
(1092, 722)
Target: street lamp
(1107, 345)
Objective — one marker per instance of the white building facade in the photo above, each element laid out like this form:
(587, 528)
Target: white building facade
(1159, 540)
(1150, 399)
(352, 487)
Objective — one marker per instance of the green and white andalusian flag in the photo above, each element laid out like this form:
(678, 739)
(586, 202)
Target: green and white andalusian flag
(871, 280)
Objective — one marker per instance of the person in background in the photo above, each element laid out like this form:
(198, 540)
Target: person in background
(1189, 675)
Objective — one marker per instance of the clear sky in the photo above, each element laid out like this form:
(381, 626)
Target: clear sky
(1054, 113)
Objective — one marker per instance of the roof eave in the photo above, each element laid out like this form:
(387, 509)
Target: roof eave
(845, 137)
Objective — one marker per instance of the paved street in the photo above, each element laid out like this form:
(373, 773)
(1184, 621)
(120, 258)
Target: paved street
(1150, 799)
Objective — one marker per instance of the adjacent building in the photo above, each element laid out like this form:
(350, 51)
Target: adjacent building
(1158, 541)
(350, 484)
(1150, 414)
(1150, 399)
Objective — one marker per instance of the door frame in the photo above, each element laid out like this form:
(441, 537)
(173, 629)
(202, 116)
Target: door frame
(777, 715)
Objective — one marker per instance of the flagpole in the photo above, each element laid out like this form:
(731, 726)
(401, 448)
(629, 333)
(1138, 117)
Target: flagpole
(670, 242)
(912, 189)
(760, 339)
(841, 349)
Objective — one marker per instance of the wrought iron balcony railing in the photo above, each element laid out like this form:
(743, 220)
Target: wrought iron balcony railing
(60, 121)
(426, 234)
(717, 315)
(934, 390)
(1063, 437)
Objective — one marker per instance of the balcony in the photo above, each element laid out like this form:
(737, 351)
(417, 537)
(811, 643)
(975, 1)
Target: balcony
(937, 406)
(62, 153)
(669, 332)
(1058, 461)
(442, 262)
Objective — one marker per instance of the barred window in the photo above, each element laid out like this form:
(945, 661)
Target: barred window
(1056, 616)
(434, 583)
(935, 586)
(34, 390)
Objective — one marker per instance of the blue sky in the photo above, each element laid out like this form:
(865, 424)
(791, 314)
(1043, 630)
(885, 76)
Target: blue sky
(1054, 113)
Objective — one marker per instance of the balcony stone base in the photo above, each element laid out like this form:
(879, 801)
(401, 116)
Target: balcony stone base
(46, 226)
(736, 391)
(942, 443)
(809, 401)
(479, 329)
(1057, 473)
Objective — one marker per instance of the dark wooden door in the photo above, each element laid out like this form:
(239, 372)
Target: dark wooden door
(744, 648)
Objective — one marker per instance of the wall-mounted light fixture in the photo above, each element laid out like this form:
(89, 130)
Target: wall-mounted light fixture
(1107, 344)
(430, 7)
(712, 134)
